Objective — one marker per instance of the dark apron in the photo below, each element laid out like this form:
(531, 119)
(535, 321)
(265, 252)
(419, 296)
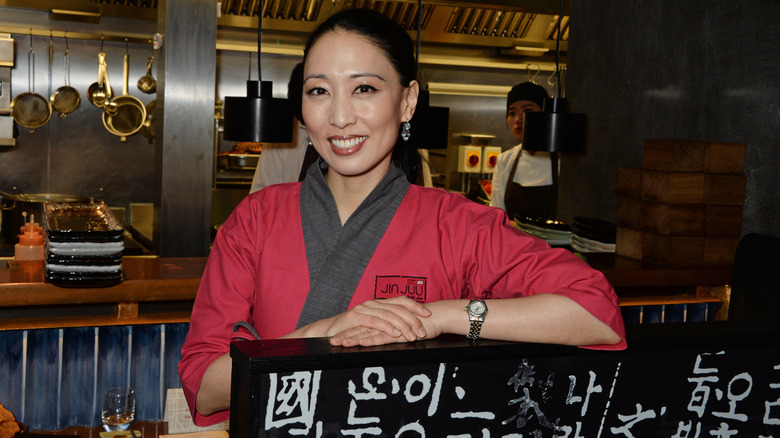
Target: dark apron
(540, 202)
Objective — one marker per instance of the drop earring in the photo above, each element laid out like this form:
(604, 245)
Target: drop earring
(405, 134)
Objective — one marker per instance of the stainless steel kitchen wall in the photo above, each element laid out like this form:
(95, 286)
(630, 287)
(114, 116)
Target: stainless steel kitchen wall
(76, 154)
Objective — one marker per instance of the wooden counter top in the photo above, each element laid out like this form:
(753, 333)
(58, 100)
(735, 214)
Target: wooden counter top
(161, 290)
(623, 272)
(154, 290)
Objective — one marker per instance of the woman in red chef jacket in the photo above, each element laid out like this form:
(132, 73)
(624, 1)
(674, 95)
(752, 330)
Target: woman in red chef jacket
(358, 254)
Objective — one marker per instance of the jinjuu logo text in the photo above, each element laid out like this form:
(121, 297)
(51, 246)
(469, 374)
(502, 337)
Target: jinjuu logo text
(397, 285)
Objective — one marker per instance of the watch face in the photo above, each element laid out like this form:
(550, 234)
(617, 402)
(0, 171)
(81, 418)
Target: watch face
(477, 307)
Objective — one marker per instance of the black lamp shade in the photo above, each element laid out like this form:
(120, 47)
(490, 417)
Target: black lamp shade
(553, 129)
(258, 117)
(429, 124)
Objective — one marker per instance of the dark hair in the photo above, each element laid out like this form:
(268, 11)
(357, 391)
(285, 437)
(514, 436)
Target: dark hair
(295, 90)
(397, 45)
(527, 91)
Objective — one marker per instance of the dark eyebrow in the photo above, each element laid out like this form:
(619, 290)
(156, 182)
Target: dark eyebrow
(372, 75)
(354, 76)
(313, 77)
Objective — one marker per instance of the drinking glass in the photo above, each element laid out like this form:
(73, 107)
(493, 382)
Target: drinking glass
(118, 409)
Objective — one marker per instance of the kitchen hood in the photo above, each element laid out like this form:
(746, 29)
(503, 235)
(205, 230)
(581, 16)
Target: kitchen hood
(512, 32)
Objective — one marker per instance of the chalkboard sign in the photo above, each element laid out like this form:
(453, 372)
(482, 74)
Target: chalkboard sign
(675, 380)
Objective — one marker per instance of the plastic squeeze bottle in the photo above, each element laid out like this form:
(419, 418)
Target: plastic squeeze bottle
(34, 226)
(30, 246)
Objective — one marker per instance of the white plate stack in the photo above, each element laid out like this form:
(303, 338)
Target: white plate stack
(592, 235)
(555, 233)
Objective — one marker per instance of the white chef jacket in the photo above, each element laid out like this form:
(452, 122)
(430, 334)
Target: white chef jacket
(281, 162)
(532, 171)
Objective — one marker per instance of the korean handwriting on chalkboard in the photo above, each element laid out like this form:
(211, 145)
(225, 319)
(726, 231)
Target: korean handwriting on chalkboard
(293, 398)
(721, 398)
(292, 402)
(535, 394)
(715, 404)
(715, 397)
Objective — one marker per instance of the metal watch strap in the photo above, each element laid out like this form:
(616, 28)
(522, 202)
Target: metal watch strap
(476, 327)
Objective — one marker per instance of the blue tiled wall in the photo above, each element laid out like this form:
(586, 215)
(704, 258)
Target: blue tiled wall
(690, 312)
(54, 378)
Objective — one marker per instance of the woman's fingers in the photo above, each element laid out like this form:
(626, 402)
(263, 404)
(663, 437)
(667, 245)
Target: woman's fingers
(365, 337)
(403, 318)
(395, 317)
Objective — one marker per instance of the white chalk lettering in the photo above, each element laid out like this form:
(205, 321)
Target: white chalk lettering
(684, 430)
(411, 427)
(371, 392)
(723, 431)
(482, 415)
(734, 398)
(609, 398)
(359, 433)
(768, 417)
(297, 401)
(630, 420)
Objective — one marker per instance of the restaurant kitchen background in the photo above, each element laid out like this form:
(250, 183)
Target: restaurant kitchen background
(698, 70)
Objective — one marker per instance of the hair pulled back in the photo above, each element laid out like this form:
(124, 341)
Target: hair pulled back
(397, 46)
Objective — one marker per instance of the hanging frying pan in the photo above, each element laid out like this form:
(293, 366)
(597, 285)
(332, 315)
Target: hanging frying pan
(66, 99)
(30, 109)
(130, 111)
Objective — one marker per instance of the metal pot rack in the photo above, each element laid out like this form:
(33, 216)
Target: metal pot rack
(107, 37)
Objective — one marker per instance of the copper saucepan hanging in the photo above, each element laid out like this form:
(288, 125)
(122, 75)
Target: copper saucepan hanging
(66, 99)
(130, 111)
(30, 109)
(101, 92)
(147, 84)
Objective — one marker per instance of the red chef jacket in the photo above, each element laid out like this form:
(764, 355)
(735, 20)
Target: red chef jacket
(438, 246)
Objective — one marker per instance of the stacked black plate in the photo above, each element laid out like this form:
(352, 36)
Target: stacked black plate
(83, 245)
(592, 235)
(555, 233)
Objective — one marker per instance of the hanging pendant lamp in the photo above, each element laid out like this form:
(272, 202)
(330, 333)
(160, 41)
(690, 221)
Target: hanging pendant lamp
(553, 129)
(258, 117)
(429, 125)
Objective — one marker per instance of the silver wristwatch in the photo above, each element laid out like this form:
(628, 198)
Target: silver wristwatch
(477, 309)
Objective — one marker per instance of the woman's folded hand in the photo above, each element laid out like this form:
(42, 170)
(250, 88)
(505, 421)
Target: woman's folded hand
(380, 322)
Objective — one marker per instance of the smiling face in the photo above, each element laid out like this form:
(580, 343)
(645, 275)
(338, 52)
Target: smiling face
(354, 104)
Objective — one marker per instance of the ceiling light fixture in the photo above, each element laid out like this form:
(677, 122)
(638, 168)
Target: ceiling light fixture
(259, 117)
(78, 16)
(532, 49)
(430, 124)
(553, 129)
(457, 89)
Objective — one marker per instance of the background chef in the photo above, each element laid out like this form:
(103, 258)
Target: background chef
(524, 183)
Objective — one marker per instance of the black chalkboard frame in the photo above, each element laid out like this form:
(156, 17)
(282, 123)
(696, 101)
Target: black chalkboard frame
(659, 344)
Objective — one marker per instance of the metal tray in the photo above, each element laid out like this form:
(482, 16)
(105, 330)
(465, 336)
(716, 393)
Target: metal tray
(74, 221)
(238, 161)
